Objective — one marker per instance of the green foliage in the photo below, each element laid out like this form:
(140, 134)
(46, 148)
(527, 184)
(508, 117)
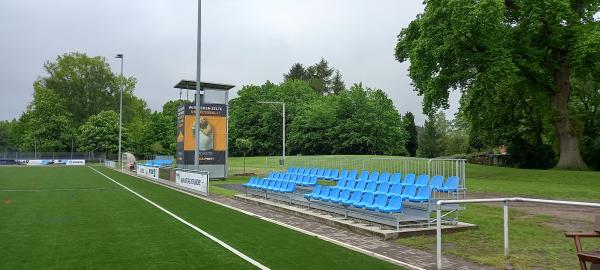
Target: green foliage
(319, 76)
(88, 85)
(243, 145)
(412, 142)
(101, 133)
(513, 61)
(261, 123)
(431, 139)
(8, 139)
(158, 135)
(47, 125)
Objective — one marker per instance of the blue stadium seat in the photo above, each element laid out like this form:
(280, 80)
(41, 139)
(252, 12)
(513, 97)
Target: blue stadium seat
(290, 170)
(374, 176)
(367, 199)
(291, 187)
(333, 194)
(341, 183)
(326, 174)
(354, 198)
(380, 201)
(383, 188)
(323, 194)
(396, 189)
(343, 175)
(312, 181)
(271, 184)
(409, 179)
(320, 173)
(352, 175)
(409, 191)
(451, 185)
(277, 186)
(371, 186)
(293, 178)
(422, 181)
(360, 185)
(423, 195)
(251, 182)
(436, 182)
(393, 206)
(364, 175)
(313, 172)
(384, 177)
(333, 175)
(344, 196)
(314, 192)
(396, 178)
(300, 171)
(287, 176)
(350, 184)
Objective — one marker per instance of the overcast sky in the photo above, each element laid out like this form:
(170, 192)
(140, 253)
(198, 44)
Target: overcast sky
(243, 42)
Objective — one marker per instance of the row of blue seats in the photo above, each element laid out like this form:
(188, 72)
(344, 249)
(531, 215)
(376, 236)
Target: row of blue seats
(358, 199)
(271, 185)
(158, 162)
(436, 183)
(300, 180)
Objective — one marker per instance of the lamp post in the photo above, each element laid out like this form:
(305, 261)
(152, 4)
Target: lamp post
(199, 97)
(120, 56)
(282, 125)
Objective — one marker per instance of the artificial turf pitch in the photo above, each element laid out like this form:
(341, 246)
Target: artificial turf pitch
(75, 218)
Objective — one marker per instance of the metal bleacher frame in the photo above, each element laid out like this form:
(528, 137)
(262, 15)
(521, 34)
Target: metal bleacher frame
(413, 214)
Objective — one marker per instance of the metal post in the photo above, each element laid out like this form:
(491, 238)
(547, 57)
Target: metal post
(120, 112)
(199, 97)
(506, 230)
(283, 125)
(438, 250)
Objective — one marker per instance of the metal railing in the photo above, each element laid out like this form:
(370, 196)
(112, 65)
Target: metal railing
(440, 203)
(88, 156)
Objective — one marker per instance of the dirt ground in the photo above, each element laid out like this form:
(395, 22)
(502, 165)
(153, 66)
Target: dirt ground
(568, 218)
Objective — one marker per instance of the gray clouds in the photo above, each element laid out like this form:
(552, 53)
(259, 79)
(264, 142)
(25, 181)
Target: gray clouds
(244, 42)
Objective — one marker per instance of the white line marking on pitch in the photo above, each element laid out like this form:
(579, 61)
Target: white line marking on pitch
(56, 189)
(319, 236)
(223, 244)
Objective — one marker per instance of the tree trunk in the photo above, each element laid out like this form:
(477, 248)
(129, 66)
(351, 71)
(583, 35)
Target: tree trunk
(570, 156)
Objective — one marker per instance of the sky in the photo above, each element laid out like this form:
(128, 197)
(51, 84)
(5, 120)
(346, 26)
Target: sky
(244, 42)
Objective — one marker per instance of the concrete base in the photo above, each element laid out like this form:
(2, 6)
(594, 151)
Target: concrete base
(350, 224)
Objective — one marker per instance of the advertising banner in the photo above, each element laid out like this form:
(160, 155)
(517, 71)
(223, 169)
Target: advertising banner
(152, 172)
(75, 162)
(193, 180)
(213, 134)
(141, 170)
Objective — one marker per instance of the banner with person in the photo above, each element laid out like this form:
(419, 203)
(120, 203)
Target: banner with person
(212, 132)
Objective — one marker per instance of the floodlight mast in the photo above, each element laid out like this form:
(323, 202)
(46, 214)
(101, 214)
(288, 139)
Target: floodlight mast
(282, 125)
(199, 97)
(120, 111)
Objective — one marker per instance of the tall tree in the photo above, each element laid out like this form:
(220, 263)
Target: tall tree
(8, 140)
(88, 85)
(320, 77)
(412, 140)
(431, 140)
(515, 58)
(337, 84)
(101, 133)
(47, 125)
(297, 72)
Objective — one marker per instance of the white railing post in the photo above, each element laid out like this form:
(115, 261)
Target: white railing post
(439, 237)
(506, 249)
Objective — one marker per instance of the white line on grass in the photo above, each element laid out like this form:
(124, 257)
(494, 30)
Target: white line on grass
(194, 227)
(319, 236)
(55, 189)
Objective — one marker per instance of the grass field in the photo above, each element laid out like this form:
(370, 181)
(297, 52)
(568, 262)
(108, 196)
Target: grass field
(535, 244)
(74, 218)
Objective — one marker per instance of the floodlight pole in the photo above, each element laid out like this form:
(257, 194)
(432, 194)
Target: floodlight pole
(199, 97)
(282, 124)
(120, 111)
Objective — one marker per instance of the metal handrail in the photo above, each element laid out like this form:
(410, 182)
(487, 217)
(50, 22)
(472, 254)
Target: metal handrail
(505, 201)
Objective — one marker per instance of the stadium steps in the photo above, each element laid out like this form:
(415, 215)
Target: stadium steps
(348, 224)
